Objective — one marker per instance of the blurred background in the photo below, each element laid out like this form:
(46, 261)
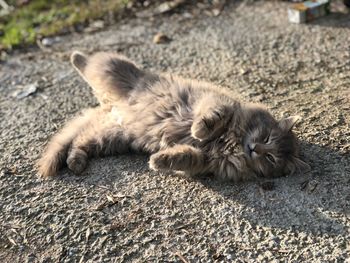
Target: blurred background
(26, 23)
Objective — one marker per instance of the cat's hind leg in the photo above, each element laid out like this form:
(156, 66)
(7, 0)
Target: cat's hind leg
(102, 137)
(56, 151)
(179, 158)
(111, 76)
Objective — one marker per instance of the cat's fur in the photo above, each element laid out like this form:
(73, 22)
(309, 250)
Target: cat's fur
(185, 125)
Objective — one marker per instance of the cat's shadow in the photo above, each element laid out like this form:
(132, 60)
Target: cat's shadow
(313, 202)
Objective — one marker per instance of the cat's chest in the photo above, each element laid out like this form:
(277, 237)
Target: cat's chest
(117, 115)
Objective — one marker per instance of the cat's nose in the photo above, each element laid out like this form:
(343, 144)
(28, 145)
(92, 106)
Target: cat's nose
(259, 149)
(252, 152)
(256, 149)
(251, 147)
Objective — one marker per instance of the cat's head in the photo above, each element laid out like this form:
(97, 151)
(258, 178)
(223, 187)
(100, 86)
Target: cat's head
(270, 146)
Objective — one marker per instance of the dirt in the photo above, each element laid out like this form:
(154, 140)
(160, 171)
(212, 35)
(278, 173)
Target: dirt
(120, 211)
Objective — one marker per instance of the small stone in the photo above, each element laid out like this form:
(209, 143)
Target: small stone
(187, 15)
(25, 91)
(161, 38)
(243, 71)
(168, 6)
(3, 54)
(95, 26)
(98, 24)
(146, 3)
(216, 12)
(49, 41)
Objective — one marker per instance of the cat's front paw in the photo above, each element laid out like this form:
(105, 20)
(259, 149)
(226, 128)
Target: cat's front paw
(77, 161)
(170, 160)
(177, 158)
(159, 161)
(206, 126)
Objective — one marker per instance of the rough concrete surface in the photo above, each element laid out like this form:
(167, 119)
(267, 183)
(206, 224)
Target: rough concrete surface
(120, 211)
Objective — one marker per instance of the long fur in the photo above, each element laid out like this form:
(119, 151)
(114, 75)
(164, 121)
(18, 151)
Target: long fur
(185, 125)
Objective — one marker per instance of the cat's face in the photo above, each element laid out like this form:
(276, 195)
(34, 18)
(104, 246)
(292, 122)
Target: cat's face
(271, 147)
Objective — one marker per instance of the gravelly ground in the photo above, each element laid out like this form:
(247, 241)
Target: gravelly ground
(120, 211)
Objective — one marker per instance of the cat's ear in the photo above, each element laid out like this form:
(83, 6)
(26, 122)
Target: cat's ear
(286, 124)
(297, 165)
(79, 61)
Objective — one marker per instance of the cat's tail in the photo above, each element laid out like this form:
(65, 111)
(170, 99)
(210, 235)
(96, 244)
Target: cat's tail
(110, 75)
(56, 151)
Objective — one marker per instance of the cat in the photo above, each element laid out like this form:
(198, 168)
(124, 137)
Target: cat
(187, 126)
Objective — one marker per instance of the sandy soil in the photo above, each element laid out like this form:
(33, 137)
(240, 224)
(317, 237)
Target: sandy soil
(120, 211)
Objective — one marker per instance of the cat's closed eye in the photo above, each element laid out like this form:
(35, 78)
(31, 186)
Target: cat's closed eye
(267, 138)
(270, 158)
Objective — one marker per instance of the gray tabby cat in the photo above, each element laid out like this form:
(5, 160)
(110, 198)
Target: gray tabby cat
(186, 126)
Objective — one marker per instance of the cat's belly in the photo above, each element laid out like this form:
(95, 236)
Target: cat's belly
(153, 132)
(117, 116)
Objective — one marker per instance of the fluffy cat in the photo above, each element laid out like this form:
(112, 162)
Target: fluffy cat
(186, 126)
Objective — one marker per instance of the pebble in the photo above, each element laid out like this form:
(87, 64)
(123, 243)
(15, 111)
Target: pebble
(49, 41)
(25, 91)
(161, 38)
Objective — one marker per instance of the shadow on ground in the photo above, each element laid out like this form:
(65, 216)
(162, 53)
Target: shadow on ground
(309, 202)
(304, 203)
